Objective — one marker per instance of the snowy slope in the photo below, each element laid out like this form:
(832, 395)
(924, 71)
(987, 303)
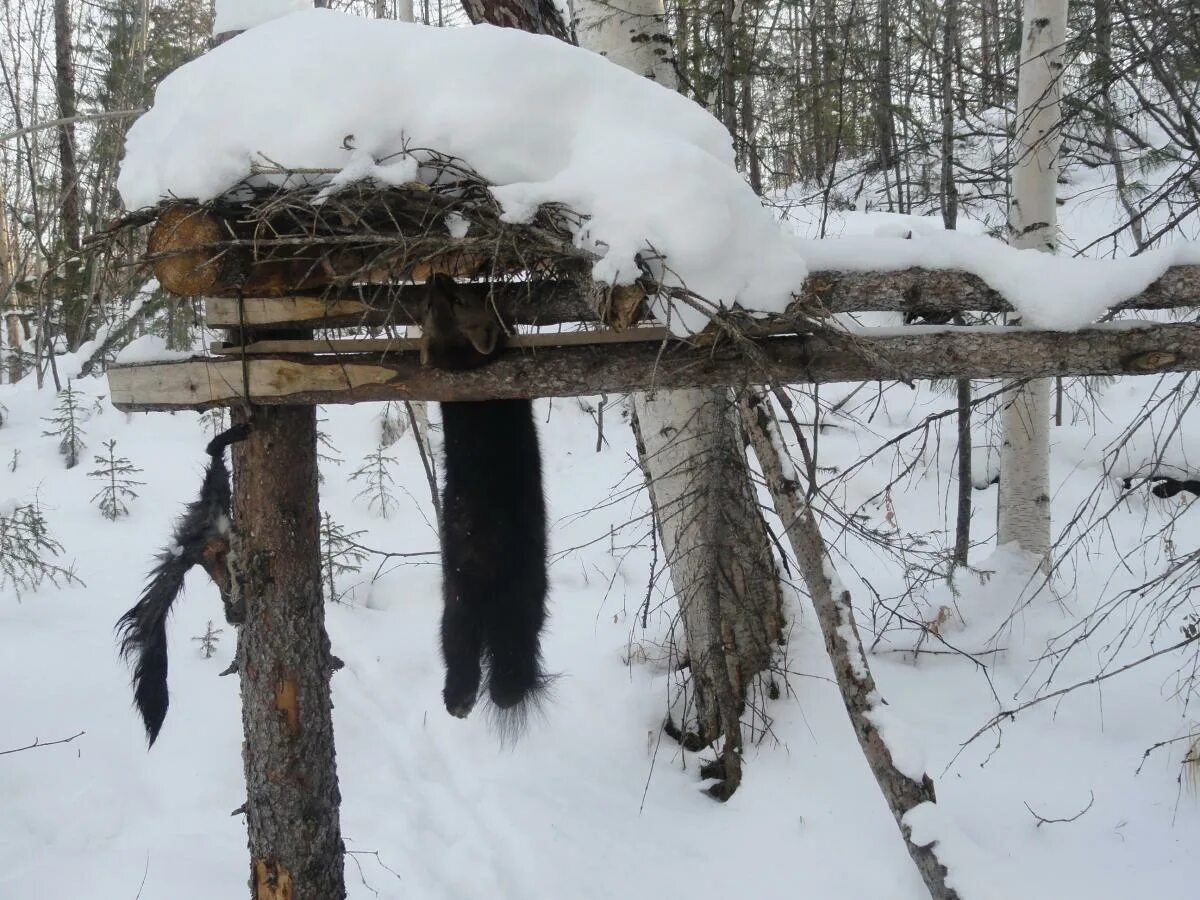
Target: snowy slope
(590, 803)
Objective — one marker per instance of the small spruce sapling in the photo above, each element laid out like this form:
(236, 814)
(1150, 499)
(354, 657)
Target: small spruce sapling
(379, 481)
(67, 425)
(209, 640)
(331, 455)
(117, 474)
(341, 554)
(26, 549)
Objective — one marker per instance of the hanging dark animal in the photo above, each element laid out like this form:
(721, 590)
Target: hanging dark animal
(201, 536)
(1169, 487)
(493, 520)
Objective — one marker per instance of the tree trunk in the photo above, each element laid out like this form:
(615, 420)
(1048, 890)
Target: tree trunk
(1107, 76)
(885, 123)
(74, 300)
(284, 661)
(962, 524)
(1024, 505)
(9, 301)
(713, 534)
(719, 552)
(949, 190)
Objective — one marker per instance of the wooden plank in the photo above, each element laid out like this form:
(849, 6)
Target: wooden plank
(525, 303)
(406, 345)
(223, 312)
(869, 355)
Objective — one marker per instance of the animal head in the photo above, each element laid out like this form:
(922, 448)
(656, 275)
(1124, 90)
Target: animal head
(461, 328)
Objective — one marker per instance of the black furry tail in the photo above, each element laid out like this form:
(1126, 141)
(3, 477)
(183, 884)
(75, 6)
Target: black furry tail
(1169, 487)
(201, 536)
(493, 556)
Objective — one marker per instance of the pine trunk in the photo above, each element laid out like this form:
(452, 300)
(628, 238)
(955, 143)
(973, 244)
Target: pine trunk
(284, 660)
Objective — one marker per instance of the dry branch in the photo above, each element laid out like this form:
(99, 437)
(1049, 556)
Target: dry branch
(914, 353)
(835, 616)
(290, 232)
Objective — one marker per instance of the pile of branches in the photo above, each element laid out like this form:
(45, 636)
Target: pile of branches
(283, 231)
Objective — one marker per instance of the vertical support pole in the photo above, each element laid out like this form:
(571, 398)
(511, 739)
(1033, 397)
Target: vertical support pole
(284, 661)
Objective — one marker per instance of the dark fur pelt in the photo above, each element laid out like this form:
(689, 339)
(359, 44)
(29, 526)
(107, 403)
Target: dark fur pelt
(201, 536)
(1169, 487)
(493, 523)
(493, 555)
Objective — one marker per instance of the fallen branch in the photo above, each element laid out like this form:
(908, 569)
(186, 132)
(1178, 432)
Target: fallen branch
(1042, 820)
(835, 616)
(39, 743)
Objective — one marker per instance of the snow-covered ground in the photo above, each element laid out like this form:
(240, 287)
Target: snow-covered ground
(591, 802)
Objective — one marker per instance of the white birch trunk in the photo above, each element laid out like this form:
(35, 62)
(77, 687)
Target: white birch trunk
(713, 534)
(1024, 504)
(633, 34)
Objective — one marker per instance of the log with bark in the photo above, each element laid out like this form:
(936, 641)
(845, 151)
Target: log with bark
(570, 371)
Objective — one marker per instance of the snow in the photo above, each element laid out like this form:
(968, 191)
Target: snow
(1058, 293)
(457, 225)
(448, 809)
(238, 15)
(653, 171)
(149, 348)
(457, 815)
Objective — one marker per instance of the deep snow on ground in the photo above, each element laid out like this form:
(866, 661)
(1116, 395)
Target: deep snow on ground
(591, 802)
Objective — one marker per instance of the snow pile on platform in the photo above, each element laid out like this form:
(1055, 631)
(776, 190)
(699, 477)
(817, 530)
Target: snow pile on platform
(541, 120)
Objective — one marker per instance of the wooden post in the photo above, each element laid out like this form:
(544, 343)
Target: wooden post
(284, 661)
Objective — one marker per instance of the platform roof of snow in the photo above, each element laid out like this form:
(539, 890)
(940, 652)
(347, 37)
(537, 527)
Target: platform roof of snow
(542, 121)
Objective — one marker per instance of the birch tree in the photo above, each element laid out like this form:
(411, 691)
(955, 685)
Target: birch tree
(713, 534)
(1024, 506)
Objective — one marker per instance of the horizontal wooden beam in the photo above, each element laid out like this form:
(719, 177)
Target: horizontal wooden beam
(916, 291)
(871, 354)
(527, 303)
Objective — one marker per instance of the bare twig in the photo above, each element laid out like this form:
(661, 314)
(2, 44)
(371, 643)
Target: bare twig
(40, 743)
(1042, 820)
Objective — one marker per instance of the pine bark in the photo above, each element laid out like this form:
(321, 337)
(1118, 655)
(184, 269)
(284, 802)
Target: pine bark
(284, 661)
